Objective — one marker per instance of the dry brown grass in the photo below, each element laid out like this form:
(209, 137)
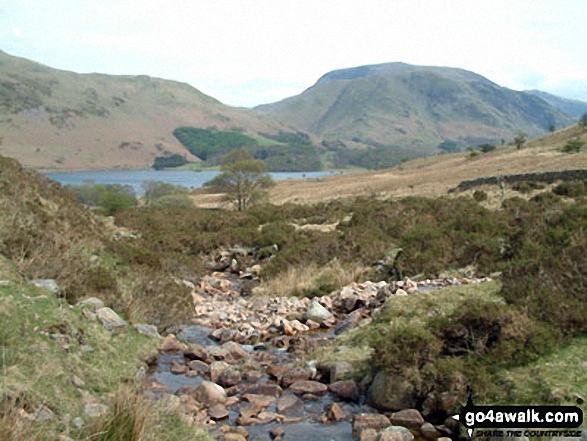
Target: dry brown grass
(434, 176)
(309, 279)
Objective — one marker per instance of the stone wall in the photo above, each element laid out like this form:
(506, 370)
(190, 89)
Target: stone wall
(547, 177)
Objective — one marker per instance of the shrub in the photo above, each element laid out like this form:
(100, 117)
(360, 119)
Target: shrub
(480, 195)
(155, 190)
(571, 189)
(111, 199)
(573, 146)
(527, 187)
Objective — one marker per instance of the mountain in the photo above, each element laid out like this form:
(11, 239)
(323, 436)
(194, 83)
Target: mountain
(574, 108)
(54, 119)
(414, 107)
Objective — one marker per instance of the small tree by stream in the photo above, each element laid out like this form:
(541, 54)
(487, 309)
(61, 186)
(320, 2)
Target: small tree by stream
(244, 179)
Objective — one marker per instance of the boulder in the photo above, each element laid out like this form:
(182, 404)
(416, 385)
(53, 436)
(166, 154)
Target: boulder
(210, 394)
(391, 392)
(346, 389)
(229, 377)
(199, 367)
(396, 433)
(428, 431)
(48, 284)
(369, 435)
(170, 344)
(196, 351)
(110, 320)
(335, 412)
(218, 412)
(216, 369)
(259, 400)
(301, 387)
(234, 350)
(341, 370)
(409, 418)
(292, 375)
(288, 404)
(91, 302)
(364, 421)
(318, 313)
(148, 330)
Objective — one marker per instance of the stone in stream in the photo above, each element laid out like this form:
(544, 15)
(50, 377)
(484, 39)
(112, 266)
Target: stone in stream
(409, 418)
(292, 375)
(216, 370)
(369, 435)
(218, 412)
(270, 389)
(335, 412)
(396, 433)
(210, 394)
(318, 313)
(259, 400)
(199, 367)
(346, 389)
(229, 377)
(110, 320)
(178, 368)
(234, 350)
(288, 404)
(170, 344)
(301, 387)
(196, 351)
(364, 421)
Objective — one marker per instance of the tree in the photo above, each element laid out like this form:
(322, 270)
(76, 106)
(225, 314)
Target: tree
(520, 140)
(552, 128)
(583, 120)
(244, 179)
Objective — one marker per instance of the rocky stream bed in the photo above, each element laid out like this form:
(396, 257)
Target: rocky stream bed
(242, 371)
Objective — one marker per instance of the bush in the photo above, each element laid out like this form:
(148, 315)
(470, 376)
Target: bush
(571, 189)
(527, 187)
(480, 195)
(486, 148)
(573, 146)
(155, 190)
(111, 199)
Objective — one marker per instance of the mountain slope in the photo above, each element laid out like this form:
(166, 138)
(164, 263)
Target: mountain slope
(434, 175)
(415, 107)
(56, 119)
(573, 108)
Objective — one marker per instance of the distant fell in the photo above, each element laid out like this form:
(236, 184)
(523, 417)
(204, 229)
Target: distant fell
(573, 108)
(415, 107)
(54, 119)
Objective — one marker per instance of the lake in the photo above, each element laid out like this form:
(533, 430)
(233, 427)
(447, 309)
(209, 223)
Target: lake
(135, 178)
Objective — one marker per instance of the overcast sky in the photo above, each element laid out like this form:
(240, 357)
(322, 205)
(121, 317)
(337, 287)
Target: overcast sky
(249, 52)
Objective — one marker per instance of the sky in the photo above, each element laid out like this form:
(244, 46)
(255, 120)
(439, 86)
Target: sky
(250, 52)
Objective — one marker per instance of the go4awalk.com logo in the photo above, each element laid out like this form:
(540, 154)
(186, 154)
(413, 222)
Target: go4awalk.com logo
(534, 420)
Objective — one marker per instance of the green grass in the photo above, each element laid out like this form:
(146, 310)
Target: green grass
(559, 378)
(41, 350)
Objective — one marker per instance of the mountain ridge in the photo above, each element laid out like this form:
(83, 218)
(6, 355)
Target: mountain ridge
(414, 107)
(56, 119)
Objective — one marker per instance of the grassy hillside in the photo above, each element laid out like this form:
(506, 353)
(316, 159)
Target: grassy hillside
(415, 108)
(54, 119)
(434, 176)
